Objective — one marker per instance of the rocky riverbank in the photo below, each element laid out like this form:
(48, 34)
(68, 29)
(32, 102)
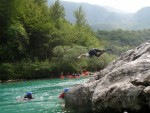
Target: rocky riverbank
(8, 81)
(124, 85)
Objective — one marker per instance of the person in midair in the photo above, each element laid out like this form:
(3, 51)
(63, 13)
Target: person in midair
(94, 52)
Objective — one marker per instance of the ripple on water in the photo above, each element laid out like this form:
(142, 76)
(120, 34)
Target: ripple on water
(45, 93)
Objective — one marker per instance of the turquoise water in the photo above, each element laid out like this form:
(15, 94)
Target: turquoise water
(45, 93)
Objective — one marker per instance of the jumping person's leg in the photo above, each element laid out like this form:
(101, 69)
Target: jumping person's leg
(84, 55)
(98, 50)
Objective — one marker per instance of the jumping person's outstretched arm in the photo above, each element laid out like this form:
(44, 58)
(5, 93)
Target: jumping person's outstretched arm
(82, 55)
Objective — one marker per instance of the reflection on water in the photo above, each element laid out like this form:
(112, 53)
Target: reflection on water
(45, 93)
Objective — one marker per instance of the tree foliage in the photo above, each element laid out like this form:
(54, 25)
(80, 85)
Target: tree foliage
(57, 14)
(80, 17)
(36, 40)
(123, 40)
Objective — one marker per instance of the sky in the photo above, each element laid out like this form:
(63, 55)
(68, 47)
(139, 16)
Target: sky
(131, 6)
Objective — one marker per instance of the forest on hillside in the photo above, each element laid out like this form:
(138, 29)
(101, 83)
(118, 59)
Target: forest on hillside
(36, 41)
(123, 40)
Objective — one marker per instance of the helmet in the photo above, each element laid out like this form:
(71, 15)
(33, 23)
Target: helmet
(28, 93)
(66, 90)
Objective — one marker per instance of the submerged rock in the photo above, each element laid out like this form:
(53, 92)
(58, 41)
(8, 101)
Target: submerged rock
(124, 85)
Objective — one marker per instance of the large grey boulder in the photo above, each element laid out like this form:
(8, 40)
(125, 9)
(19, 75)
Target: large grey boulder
(124, 85)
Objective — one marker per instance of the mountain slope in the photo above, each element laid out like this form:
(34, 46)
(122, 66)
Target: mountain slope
(105, 18)
(142, 18)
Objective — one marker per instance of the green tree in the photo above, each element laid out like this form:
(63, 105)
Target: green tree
(5, 15)
(41, 2)
(33, 14)
(57, 13)
(17, 40)
(65, 57)
(80, 17)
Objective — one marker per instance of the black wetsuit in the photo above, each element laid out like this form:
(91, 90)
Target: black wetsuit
(96, 52)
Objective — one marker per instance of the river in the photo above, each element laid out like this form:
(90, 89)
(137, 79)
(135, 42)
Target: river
(45, 93)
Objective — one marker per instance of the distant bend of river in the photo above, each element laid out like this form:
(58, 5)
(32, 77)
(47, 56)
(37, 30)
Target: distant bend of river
(45, 93)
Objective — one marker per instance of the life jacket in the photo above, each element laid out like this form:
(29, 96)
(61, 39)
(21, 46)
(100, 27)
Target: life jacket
(62, 95)
(92, 52)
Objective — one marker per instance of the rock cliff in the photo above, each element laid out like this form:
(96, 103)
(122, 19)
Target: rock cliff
(124, 85)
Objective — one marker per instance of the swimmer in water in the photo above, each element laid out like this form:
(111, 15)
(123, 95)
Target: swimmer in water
(28, 96)
(62, 95)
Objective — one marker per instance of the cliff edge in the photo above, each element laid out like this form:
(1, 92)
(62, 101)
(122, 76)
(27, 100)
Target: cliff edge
(124, 85)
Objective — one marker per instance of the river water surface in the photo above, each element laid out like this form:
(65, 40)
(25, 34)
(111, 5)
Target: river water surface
(45, 93)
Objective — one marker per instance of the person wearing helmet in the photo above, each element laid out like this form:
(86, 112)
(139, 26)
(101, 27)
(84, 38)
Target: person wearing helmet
(28, 96)
(62, 95)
